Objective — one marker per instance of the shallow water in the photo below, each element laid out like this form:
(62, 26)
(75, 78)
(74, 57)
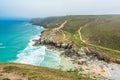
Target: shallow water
(16, 45)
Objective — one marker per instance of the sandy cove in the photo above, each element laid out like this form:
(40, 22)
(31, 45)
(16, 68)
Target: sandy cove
(85, 58)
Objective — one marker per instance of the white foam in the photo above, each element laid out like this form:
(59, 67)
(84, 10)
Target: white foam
(31, 55)
(34, 56)
(38, 27)
(38, 55)
(36, 37)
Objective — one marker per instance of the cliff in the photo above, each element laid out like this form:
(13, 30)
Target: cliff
(54, 39)
(64, 36)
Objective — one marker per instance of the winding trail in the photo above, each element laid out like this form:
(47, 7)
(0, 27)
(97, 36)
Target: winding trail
(80, 34)
(61, 26)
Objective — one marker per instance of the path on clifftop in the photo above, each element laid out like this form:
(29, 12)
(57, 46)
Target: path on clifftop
(80, 34)
(61, 26)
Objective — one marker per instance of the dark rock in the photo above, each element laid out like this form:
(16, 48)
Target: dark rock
(73, 51)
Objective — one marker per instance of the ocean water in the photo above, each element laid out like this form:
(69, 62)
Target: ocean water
(16, 45)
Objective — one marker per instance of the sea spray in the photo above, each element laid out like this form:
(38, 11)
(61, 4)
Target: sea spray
(14, 38)
(17, 45)
(38, 55)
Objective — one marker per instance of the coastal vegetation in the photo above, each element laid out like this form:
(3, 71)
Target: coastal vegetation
(13, 71)
(99, 34)
(99, 31)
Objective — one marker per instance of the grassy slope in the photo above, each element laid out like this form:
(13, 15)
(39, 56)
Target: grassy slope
(104, 31)
(39, 73)
(101, 30)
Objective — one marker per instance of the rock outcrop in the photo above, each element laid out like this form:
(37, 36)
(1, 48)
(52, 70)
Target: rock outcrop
(100, 55)
(55, 40)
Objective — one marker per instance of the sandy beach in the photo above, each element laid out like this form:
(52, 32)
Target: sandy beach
(108, 71)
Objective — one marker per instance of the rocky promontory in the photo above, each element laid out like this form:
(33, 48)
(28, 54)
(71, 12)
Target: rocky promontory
(56, 39)
(65, 34)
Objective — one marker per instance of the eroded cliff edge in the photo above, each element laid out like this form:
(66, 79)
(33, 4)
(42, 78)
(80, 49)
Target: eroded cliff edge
(65, 34)
(56, 37)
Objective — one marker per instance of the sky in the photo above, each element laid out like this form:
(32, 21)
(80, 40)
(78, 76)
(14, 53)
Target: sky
(45, 8)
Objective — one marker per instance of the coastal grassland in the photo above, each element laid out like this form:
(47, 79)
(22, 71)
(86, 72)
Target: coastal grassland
(73, 25)
(75, 38)
(101, 30)
(39, 73)
(104, 32)
(110, 53)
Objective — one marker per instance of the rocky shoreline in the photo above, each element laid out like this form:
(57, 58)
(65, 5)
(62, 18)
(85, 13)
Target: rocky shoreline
(71, 50)
(85, 58)
(78, 57)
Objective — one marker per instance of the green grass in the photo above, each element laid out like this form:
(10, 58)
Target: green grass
(110, 53)
(102, 30)
(74, 38)
(73, 25)
(6, 79)
(40, 73)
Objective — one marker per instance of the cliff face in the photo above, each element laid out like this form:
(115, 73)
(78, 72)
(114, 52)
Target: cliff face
(100, 55)
(47, 22)
(61, 33)
(56, 39)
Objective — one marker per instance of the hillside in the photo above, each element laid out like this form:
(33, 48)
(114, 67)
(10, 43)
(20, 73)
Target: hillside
(13, 71)
(101, 32)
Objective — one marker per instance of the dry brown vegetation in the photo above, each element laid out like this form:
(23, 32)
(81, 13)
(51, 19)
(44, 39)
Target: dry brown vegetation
(13, 71)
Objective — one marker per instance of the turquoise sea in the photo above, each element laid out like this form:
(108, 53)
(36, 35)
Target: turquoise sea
(16, 44)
